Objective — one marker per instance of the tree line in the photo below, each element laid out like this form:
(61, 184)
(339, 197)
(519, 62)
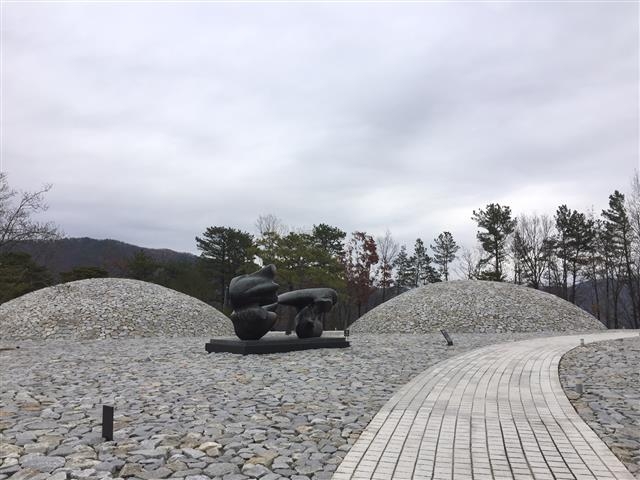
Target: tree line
(561, 254)
(357, 265)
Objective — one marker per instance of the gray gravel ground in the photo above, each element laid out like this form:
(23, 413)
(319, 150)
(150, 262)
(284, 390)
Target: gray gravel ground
(610, 403)
(182, 413)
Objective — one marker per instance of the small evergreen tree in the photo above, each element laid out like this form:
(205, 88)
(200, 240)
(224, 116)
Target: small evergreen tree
(423, 270)
(141, 267)
(498, 225)
(404, 270)
(329, 239)
(444, 252)
(226, 253)
(81, 273)
(19, 274)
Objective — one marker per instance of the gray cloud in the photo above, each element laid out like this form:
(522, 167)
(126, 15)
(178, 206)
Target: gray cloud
(154, 121)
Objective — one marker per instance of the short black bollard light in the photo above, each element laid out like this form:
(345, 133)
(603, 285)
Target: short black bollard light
(346, 333)
(579, 389)
(446, 336)
(107, 422)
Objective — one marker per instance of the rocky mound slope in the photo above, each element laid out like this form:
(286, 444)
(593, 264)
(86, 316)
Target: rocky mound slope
(108, 308)
(475, 306)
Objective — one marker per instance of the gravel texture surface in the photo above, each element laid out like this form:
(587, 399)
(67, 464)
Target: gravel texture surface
(182, 413)
(108, 308)
(475, 306)
(610, 402)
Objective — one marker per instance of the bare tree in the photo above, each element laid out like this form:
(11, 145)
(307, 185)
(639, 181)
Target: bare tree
(361, 254)
(633, 201)
(271, 230)
(633, 210)
(269, 223)
(388, 250)
(16, 211)
(531, 238)
(469, 263)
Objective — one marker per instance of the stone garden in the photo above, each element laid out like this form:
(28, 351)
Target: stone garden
(182, 413)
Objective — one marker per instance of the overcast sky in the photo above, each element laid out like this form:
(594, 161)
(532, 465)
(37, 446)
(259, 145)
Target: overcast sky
(154, 121)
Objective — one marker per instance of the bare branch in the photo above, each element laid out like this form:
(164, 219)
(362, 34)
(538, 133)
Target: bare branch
(388, 250)
(469, 263)
(16, 222)
(269, 223)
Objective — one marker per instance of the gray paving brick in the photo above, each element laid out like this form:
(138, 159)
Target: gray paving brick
(498, 413)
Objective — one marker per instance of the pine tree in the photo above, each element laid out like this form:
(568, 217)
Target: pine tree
(80, 273)
(226, 252)
(444, 252)
(423, 271)
(619, 233)
(141, 267)
(575, 239)
(499, 226)
(19, 274)
(404, 270)
(419, 260)
(330, 239)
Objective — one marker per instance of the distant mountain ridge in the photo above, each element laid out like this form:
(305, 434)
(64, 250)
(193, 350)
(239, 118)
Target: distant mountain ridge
(68, 253)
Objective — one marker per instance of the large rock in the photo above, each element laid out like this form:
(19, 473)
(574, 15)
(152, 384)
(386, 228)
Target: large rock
(108, 308)
(475, 306)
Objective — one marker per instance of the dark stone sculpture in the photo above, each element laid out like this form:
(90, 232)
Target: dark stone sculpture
(253, 298)
(312, 304)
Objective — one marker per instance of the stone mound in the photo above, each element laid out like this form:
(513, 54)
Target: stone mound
(475, 306)
(108, 308)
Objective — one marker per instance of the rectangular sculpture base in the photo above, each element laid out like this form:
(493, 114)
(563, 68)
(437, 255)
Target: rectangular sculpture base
(273, 343)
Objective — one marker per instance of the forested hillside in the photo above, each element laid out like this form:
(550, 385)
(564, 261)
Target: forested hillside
(65, 254)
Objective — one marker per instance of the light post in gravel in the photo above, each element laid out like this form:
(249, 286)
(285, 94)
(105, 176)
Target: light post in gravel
(107, 422)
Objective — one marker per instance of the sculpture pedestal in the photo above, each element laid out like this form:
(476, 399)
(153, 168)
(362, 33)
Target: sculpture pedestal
(274, 342)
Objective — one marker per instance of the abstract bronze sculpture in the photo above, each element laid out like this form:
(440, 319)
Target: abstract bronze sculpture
(312, 304)
(253, 298)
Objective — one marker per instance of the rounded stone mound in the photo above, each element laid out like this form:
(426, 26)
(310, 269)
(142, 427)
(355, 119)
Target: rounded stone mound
(476, 307)
(108, 308)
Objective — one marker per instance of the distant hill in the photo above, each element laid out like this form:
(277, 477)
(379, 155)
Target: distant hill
(112, 255)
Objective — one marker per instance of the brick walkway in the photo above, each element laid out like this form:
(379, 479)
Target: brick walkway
(498, 412)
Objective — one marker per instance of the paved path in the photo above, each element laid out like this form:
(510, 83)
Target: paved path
(498, 412)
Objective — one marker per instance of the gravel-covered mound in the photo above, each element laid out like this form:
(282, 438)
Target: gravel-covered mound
(475, 306)
(108, 308)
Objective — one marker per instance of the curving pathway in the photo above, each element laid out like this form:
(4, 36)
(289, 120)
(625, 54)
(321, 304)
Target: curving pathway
(498, 412)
